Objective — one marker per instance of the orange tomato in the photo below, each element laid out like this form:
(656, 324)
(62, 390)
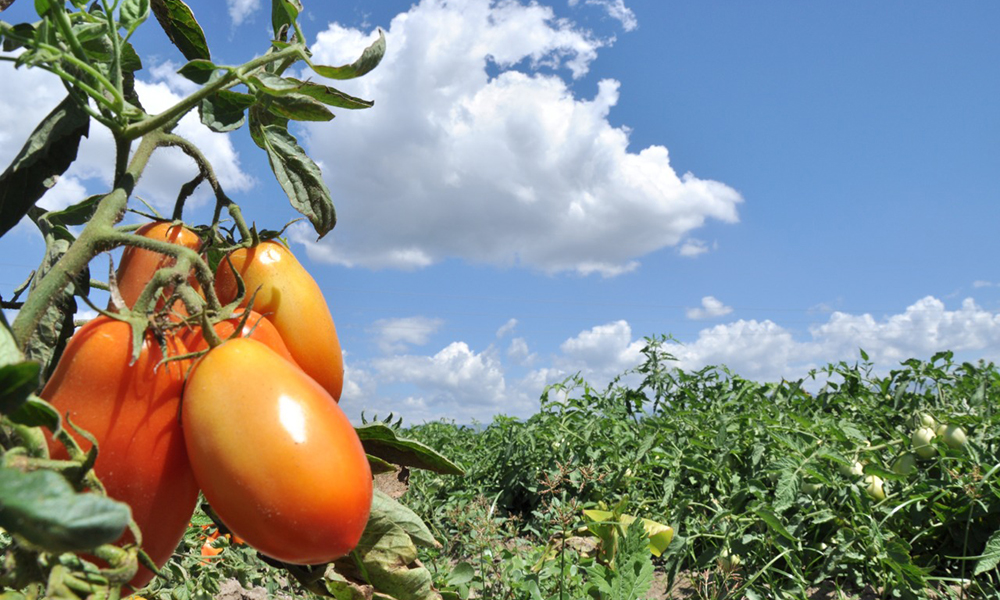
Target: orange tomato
(137, 265)
(256, 327)
(276, 457)
(289, 298)
(132, 412)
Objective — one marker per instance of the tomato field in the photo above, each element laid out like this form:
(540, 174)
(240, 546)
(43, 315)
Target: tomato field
(189, 442)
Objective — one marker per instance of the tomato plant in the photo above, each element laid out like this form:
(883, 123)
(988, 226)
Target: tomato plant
(131, 410)
(288, 297)
(138, 265)
(276, 457)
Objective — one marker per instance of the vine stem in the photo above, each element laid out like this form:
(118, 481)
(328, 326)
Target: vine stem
(93, 240)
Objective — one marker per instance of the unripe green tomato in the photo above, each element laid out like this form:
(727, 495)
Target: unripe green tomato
(923, 420)
(940, 429)
(729, 560)
(873, 485)
(922, 442)
(905, 464)
(810, 488)
(854, 470)
(954, 436)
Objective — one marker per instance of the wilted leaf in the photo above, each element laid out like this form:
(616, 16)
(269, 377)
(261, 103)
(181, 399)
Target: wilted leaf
(49, 151)
(42, 507)
(381, 440)
(297, 174)
(384, 507)
(182, 28)
(368, 60)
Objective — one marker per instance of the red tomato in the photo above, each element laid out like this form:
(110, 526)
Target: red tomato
(276, 457)
(138, 265)
(288, 297)
(132, 412)
(256, 327)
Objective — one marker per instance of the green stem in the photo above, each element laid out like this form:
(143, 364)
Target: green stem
(116, 60)
(66, 28)
(232, 77)
(92, 241)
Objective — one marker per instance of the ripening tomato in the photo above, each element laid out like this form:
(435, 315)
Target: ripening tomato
(288, 297)
(256, 327)
(132, 412)
(138, 265)
(276, 457)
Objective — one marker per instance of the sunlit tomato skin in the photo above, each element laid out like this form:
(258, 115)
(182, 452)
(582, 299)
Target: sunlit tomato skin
(132, 412)
(137, 265)
(255, 327)
(288, 297)
(276, 457)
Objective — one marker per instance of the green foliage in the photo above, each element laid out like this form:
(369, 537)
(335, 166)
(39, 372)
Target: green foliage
(763, 470)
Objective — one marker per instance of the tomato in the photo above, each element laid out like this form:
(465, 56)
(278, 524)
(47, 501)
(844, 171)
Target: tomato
(132, 412)
(923, 420)
(137, 265)
(208, 550)
(954, 436)
(873, 485)
(276, 457)
(288, 297)
(256, 327)
(905, 464)
(922, 439)
(729, 560)
(854, 470)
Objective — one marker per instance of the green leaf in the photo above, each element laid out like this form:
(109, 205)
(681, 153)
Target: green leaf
(49, 151)
(42, 507)
(774, 523)
(297, 174)
(283, 14)
(9, 352)
(37, 413)
(182, 28)
(17, 382)
(299, 108)
(368, 60)
(991, 555)
(274, 85)
(77, 214)
(199, 70)
(225, 110)
(379, 466)
(381, 440)
(133, 13)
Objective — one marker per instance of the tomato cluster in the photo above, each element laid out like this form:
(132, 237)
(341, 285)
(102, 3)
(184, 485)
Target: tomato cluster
(254, 423)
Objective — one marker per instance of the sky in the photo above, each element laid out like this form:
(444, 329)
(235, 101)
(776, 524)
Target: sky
(541, 186)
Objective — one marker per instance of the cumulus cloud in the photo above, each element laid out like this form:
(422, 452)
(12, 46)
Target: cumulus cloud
(604, 351)
(479, 148)
(241, 10)
(506, 328)
(710, 309)
(394, 335)
(616, 9)
(519, 353)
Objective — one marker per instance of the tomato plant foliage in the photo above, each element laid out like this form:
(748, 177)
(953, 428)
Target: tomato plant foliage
(101, 467)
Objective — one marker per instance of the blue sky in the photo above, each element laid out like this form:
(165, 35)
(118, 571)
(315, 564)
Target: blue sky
(539, 186)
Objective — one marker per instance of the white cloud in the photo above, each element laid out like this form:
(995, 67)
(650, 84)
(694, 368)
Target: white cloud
(241, 10)
(693, 247)
(980, 283)
(603, 351)
(513, 169)
(506, 328)
(710, 309)
(616, 9)
(394, 335)
(519, 353)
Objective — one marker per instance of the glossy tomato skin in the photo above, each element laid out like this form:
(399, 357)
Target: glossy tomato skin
(288, 297)
(132, 411)
(137, 265)
(275, 456)
(255, 327)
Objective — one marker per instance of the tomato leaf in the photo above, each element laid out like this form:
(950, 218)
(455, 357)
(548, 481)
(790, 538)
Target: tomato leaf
(36, 412)
(991, 555)
(775, 524)
(381, 440)
(42, 507)
(297, 174)
(299, 107)
(199, 70)
(368, 60)
(380, 466)
(133, 13)
(9, 352)
(49, 151)
(225, 110)
(274, 85)
(17, 382)
(182, 28)
(283, 14)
